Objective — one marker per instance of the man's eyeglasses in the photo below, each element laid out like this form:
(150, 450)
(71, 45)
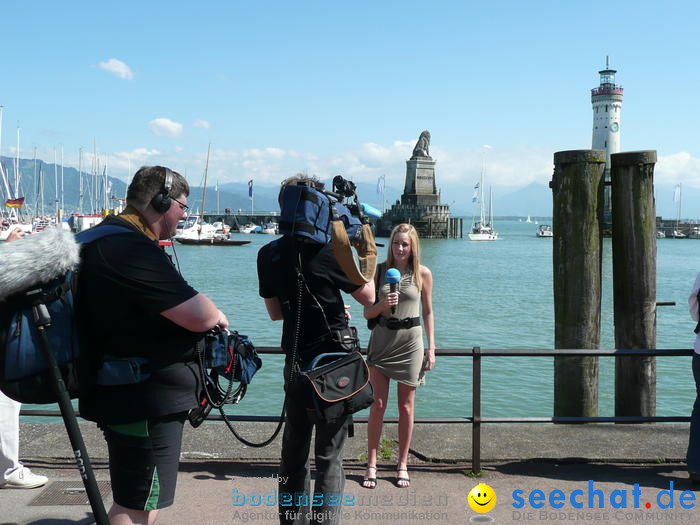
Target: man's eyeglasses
(183, 207)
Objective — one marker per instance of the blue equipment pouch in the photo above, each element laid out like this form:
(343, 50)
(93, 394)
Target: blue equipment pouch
(232, 355)
(122, 371)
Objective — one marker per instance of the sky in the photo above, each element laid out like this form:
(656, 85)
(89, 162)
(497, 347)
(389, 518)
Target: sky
(346, 87)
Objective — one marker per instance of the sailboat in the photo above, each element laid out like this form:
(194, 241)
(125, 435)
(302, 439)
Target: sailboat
(677, 233)
(196, 232)
(481, 229)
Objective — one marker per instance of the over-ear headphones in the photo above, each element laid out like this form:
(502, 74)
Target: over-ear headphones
(162, 201)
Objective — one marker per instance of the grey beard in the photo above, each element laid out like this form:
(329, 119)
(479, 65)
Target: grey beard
(36, 259)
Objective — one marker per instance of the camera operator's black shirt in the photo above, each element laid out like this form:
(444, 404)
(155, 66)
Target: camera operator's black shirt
(277, 276)
(125, 281)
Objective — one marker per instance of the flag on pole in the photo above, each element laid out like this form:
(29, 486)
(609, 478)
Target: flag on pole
(250, 188)
(476, 186)
(14, 203)
(475, 197)
(677, 193)
(380, 184)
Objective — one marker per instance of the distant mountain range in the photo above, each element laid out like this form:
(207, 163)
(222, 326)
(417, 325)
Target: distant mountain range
(535, 199)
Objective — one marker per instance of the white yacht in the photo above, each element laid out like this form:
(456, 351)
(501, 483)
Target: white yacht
(247, 228)
(482, 230)
(271, 228)
(545, 230)
(193, 228)
(677, 234)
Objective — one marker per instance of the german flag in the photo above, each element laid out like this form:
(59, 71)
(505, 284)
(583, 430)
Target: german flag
(14, 203)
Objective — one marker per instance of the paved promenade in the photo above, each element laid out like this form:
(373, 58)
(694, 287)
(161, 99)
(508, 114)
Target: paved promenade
(222, 481)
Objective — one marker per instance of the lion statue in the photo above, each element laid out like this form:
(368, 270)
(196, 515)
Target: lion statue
(421, 149)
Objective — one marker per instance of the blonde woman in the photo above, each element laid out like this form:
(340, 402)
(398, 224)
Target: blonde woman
(396, 348)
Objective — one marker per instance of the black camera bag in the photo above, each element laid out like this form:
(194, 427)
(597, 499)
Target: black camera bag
(340, 386)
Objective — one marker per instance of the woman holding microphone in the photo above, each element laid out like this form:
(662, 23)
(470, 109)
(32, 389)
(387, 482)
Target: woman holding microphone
(396, 348)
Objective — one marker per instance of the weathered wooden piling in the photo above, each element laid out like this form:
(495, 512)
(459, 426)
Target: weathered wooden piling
(634, 276)
(577, 283)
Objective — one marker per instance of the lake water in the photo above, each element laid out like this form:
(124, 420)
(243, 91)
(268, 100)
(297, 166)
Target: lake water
(489, 294)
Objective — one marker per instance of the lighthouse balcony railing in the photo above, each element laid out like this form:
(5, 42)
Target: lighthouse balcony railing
(612, 90)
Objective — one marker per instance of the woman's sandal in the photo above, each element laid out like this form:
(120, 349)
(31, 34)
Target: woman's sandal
(370, 482)
(402, 481)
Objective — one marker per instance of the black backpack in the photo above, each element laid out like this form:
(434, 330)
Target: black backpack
(24, 373)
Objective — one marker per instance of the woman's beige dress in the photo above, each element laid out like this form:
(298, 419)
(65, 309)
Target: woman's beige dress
(398, 354)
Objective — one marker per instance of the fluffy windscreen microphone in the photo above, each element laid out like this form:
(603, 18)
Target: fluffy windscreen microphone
(36, 259)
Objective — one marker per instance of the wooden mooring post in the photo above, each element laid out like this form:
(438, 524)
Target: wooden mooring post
(577, 278)
(634, 279)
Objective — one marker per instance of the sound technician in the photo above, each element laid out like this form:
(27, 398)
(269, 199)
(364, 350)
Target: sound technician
(132, 302)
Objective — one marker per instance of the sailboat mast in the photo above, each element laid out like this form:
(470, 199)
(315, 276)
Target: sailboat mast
(17, 166)
(2, 170)
(55, 184)
(37, 186)
(62, 200)
(128, 178)
(481, 191)
(105, 183)
(93, 179)
(80, 181)
(41, 188)
(204, 189)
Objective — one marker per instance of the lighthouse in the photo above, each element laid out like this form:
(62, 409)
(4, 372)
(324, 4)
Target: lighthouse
(607, 107)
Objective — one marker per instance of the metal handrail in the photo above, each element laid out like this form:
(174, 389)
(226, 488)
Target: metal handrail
(476, 419)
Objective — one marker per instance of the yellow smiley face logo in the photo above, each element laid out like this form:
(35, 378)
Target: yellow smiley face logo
(482, 498)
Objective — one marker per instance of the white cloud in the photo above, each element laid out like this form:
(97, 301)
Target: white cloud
(137, 154)
(511, 167)
(678, 167)
(204, 124)
(164, 127)
(117, 68)
(124, 160)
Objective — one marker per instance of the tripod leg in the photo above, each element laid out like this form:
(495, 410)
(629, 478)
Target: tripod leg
(70, 421)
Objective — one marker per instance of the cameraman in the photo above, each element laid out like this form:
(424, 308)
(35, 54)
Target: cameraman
(277, 272)
(133, 303)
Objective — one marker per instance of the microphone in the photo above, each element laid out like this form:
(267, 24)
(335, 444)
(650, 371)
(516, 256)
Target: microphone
(371, 211)
(392, 276)
(36, 259)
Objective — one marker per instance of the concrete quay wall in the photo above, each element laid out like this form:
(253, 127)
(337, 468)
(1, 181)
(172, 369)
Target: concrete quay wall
(434, 443)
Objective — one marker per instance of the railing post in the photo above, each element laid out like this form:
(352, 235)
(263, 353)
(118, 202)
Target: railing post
(576, 260)
(634, 280)
(476, 410)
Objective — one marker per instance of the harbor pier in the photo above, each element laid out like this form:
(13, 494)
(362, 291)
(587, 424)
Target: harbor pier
(236, 219)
